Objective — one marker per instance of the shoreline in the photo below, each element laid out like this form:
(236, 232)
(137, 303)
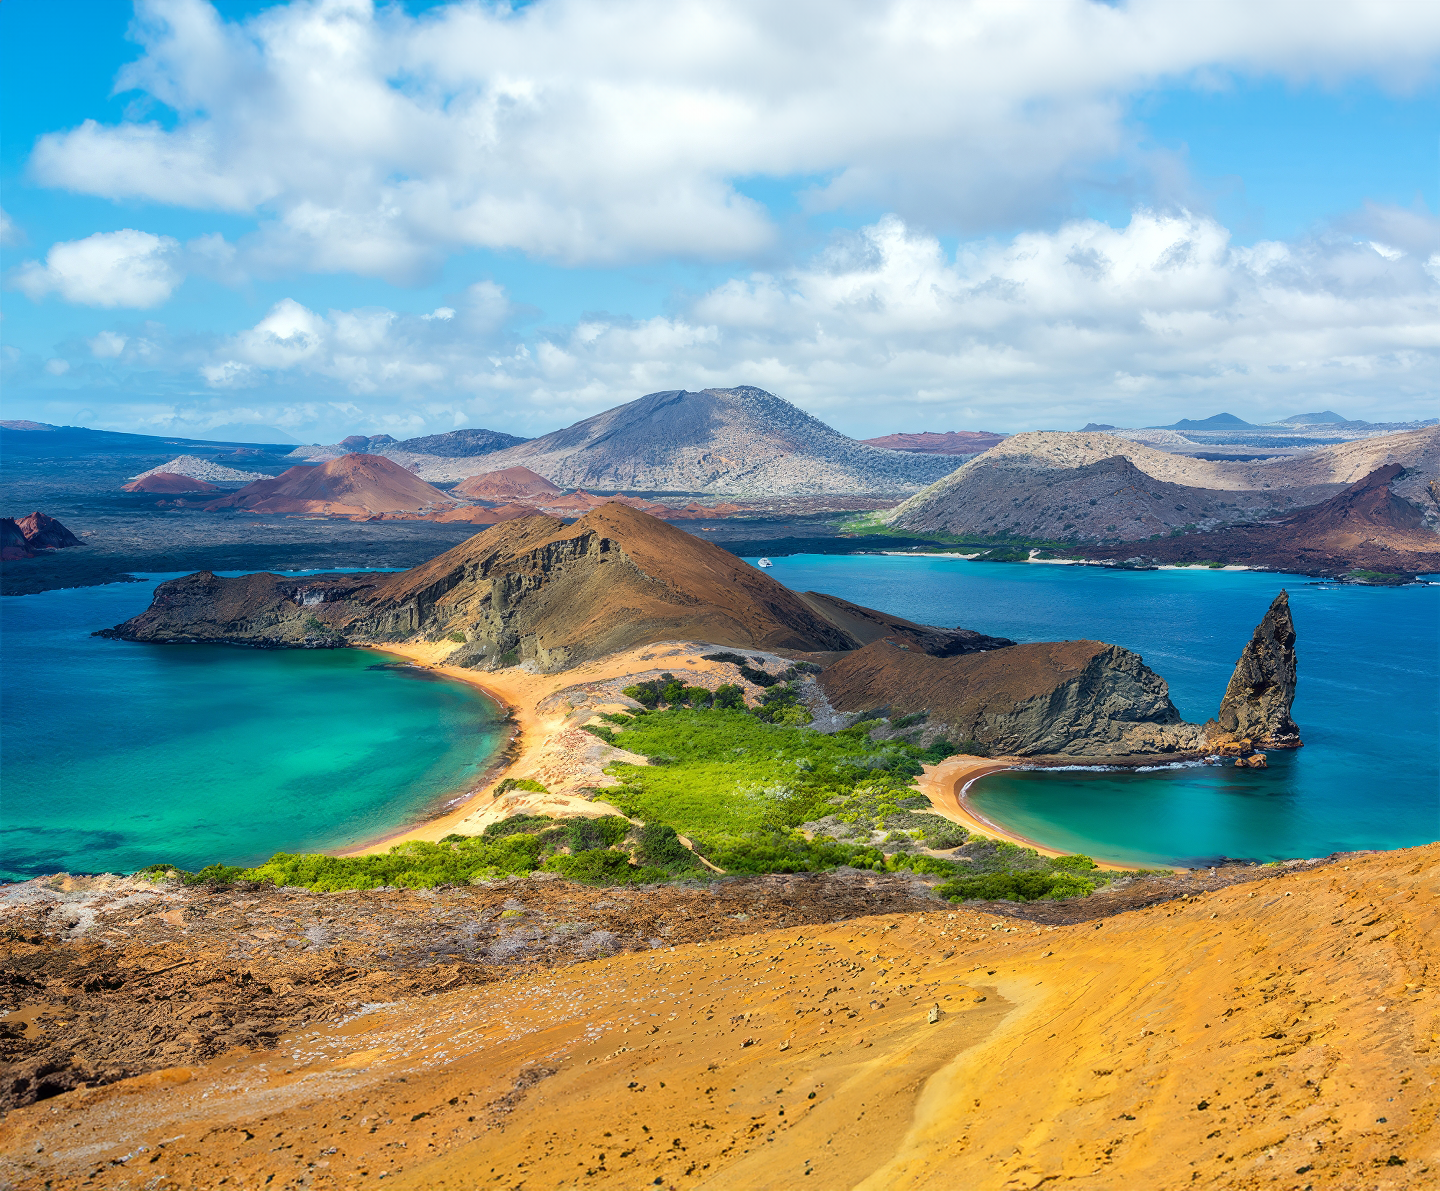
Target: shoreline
(947, 785)
(546, 744)
(546, 739)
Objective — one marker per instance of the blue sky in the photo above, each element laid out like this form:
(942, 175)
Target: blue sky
(330, 218)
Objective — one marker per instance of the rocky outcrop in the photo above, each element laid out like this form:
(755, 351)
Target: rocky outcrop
(20, 538)
(43, 532)
(1076, 699)
(1256, 707)
(1065, 698)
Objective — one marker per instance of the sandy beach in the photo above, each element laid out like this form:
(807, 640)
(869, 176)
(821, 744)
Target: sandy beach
(547, 714)
(947, 785)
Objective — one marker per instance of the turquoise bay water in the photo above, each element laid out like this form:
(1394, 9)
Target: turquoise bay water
(1368, 703)
(116, 755)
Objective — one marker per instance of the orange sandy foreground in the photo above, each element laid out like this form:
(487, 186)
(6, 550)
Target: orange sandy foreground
(1281, 1034)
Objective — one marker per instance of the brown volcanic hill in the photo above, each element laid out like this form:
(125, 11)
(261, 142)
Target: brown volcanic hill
(478, 515)
(354, 484)
(167, 481)
(509, 483)
(537, 590)
(1037, 485)
(530, 589)
(1366, 527)
(951, 442)
(732, 442)
(43, 532)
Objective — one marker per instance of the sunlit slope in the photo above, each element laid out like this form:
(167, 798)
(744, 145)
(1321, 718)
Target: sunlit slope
(1280, 1033)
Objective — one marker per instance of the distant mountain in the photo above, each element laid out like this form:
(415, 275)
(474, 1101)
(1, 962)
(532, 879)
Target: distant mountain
(511, 483)
(457, 444)
(1218, 422)
(1076, 486)
(249, 432)
(168, 482)
(36, 439)
(1312, 419)
(355, 485)
(1367, 526)
(196, 468)
(952, 442)
(1096, 426)
(733, 442)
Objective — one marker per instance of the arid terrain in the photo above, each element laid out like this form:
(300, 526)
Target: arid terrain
(1077, 486)
(829, 1032)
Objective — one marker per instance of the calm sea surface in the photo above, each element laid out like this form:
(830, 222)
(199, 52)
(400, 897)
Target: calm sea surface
(1368, 703)
(115, 755)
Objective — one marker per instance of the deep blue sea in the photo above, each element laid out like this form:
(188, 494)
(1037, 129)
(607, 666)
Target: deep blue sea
(116, 755)
(1368, 702)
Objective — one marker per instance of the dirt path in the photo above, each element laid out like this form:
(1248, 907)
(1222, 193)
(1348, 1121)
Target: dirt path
(1275, 1034)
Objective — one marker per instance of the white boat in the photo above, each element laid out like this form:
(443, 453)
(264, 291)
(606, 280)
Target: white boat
(764, 562)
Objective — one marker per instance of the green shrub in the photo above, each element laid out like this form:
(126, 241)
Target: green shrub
(729, 697)
(909, 721)
(660, 847)
(514, 825)
(696, 696)
(457, 637)
(995, 887)
(973, 748)
(1077, 863)
(582, 835)
(519, 783)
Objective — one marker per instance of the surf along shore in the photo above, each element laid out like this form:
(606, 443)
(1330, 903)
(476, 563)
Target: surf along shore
(547, 713)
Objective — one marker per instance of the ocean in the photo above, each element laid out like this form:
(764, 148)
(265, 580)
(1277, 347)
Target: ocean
(116, 755)
(1368, 702)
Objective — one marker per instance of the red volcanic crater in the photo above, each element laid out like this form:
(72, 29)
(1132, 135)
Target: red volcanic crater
(352, 485)
(168, 482)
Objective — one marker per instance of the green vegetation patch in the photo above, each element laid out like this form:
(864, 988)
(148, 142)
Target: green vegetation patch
(739, 784)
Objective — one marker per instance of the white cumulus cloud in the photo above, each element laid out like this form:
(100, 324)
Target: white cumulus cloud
(885, 330)
(369, 140)
(125, 268)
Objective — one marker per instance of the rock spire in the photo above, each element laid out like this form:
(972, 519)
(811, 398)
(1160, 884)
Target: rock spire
(1257, 702)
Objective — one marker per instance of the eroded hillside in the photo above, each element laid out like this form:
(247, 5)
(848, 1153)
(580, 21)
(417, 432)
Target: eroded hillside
(1079, 485)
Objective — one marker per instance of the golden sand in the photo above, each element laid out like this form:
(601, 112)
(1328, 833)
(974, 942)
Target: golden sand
(1279, 1036)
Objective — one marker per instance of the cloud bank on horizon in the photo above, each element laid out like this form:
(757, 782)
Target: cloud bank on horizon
(849, 178)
